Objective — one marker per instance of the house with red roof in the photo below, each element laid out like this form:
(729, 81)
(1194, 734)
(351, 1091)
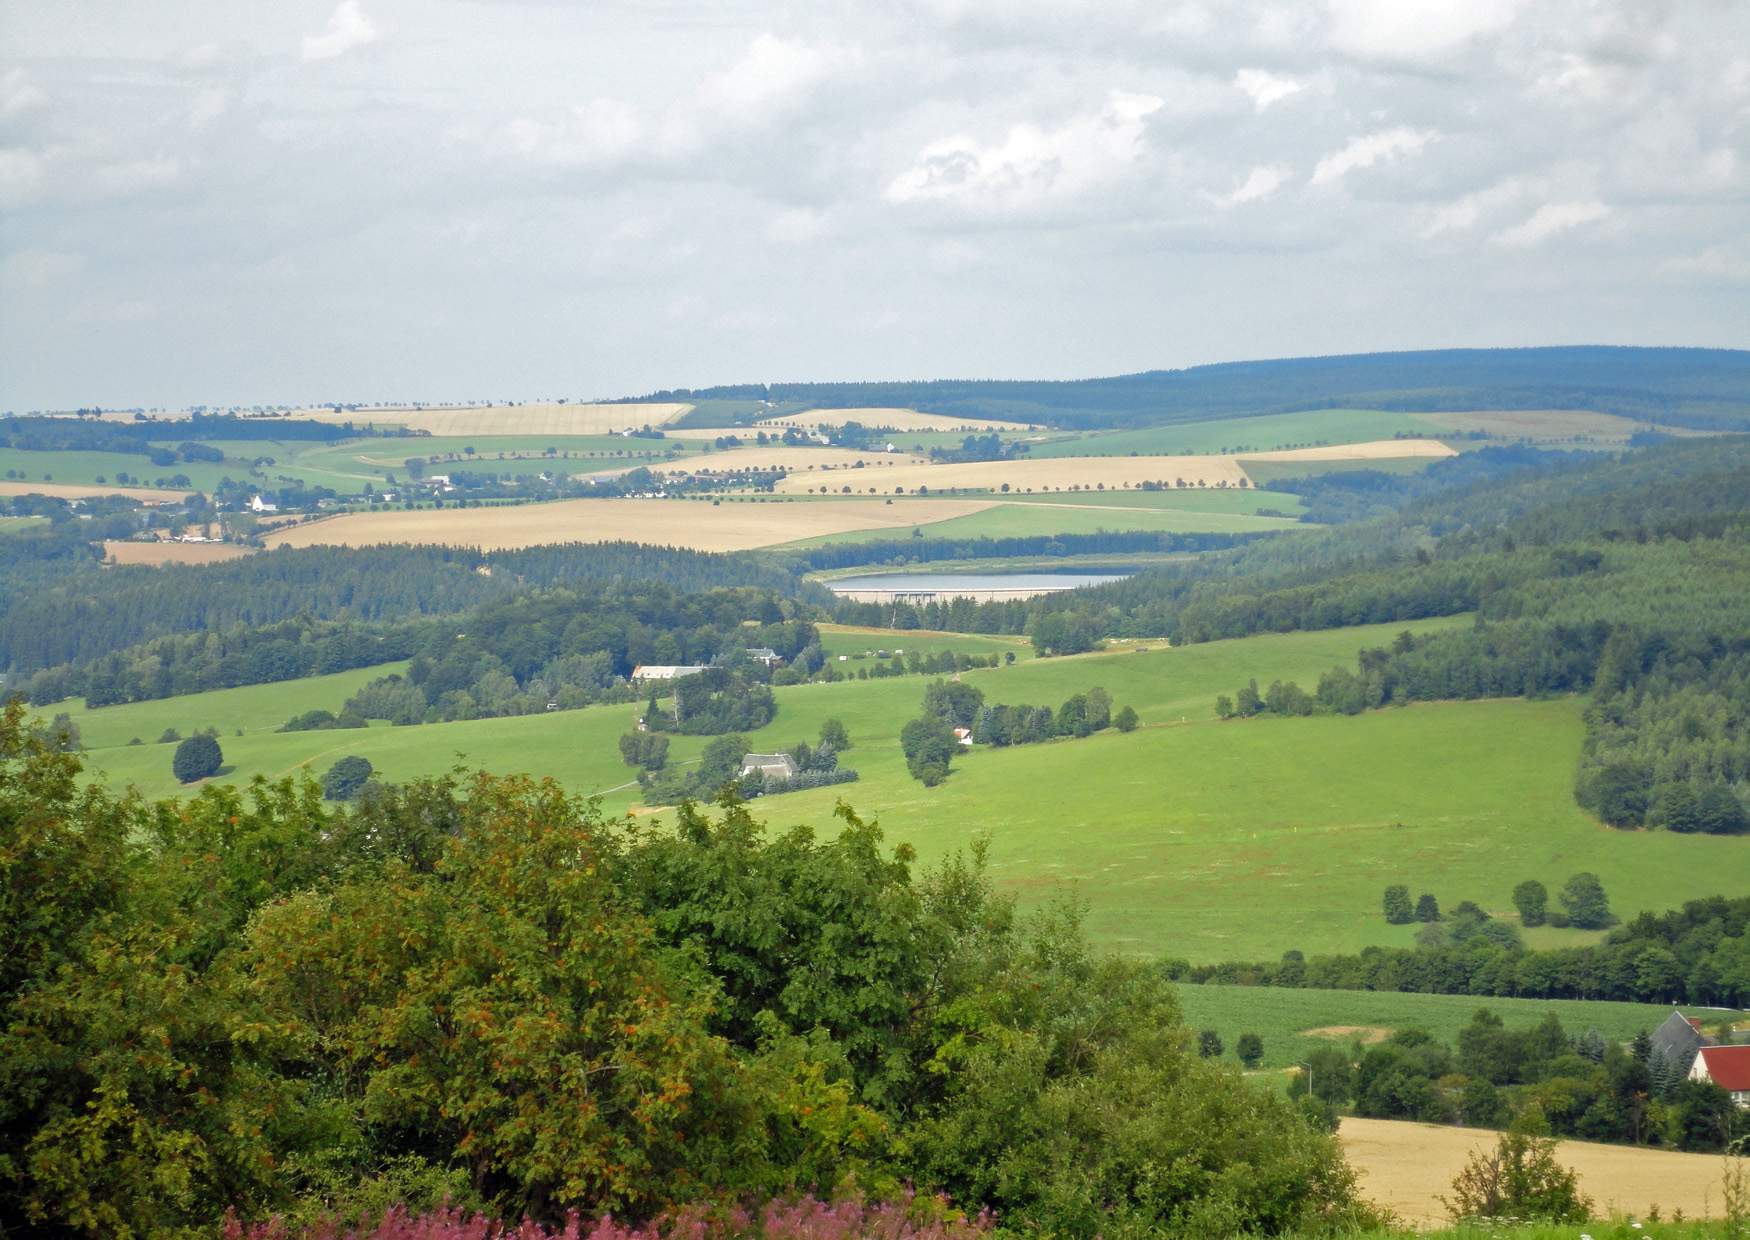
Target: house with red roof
(1726, 1066)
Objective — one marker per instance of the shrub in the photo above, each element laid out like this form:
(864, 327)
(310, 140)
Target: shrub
(1519, 1179)
(1398, 909)
(1427, 907)
(1588, 907)
(169, 736)
(1125, 720)
(197, 758)
(1209, 1044)
(343, 780)
(1531, 898)
(1250, 1049)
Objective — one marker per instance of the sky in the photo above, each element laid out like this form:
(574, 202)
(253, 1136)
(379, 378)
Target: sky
(382, 200)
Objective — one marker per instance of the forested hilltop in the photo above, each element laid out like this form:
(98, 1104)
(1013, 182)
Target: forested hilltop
(1703, 388)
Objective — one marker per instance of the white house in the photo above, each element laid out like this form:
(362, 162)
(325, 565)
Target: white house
(261, 505)
(771, 765)
(1726, 1066)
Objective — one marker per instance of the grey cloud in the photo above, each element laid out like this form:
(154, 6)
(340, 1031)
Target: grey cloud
(388, 198)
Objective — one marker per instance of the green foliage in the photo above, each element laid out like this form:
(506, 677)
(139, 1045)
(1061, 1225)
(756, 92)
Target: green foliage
(1209, 1044)
(1427, 907)
(929, 745)
(196, 758)
(1250, 1049)
(488, 992)
(1586, 904)
(1519, 1179)
(645, 750)
(834, 734)
(344, 780)
(1531, 898)
(1396, 903)
(1126, 719)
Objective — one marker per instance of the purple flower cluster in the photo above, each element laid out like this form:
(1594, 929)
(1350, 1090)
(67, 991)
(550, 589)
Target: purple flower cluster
(806, 1218)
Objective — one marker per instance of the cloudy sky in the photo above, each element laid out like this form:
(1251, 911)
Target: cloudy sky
(382, 199)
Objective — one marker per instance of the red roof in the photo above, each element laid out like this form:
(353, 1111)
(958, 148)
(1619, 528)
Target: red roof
(1728, 1066)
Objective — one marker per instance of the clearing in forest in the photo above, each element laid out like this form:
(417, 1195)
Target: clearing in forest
(155, 553)
(733, 525)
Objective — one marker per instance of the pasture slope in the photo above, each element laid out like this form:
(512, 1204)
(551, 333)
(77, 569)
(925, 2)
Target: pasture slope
(1294, 1022)
(1407, 1167)
(1189, 837)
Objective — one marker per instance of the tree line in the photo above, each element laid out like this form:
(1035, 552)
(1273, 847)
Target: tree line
(1697, 954)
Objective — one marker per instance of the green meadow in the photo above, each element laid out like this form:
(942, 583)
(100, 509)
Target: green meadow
(1295, 1022)
(1024, 519)
(1191, 499)
(85, 468)
(1265, 433)
(1189, 837)
(1263, 473)
(855, 643)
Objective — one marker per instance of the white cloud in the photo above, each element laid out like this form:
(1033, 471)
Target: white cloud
(348, 29)
(35, 269)
(602, 131)
(1462, 214)
(1716, 262)
(208, 106)
(1266, 88)
(131, 176)
(1031, 164)
(19, 94)
(1415, 29)
(1261, 183)
(1549, 220)
(1369, 149)
(21, 175)
(797, 226)
(773, 74)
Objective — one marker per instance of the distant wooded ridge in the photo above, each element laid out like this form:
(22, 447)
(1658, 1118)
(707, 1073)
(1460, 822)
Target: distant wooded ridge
(1700, 388)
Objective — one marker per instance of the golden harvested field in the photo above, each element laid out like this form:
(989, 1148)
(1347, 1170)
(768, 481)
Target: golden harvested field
(1406, 1167)
(1055, 473)
(700, 525)
(531, 419)
(156, 553)
(899, 419)
(1544, 424)
(1375, 450)
(68, 490)
(777, 456)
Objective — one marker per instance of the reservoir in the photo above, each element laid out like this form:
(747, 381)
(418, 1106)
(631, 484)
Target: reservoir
(939, 587)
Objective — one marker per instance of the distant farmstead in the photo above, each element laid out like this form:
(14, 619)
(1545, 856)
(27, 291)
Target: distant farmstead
(1726, 1066)
(764, 654)
(646, 672)
(770, 765)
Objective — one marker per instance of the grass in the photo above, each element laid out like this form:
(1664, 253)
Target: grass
(1201, 499)
(11, 525)
(1284, 1017)
(837, 639)
(85, 468)
(1266, 433)
(254, 708)
(1263, 473)
(1023, 519)
(1190, 837)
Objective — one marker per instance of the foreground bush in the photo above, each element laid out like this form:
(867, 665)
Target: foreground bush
(483, 994)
